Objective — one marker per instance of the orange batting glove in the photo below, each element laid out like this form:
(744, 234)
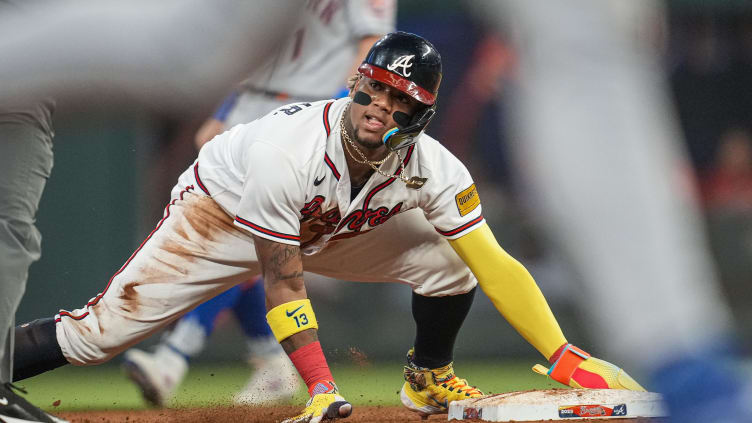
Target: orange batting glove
(574, 367)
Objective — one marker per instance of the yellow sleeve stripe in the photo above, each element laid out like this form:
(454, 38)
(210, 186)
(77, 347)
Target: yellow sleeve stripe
(290, 318)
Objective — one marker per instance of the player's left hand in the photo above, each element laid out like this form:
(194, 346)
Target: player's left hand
(322, 407)
(576, 368)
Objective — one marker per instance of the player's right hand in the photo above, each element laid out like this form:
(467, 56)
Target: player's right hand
(576, 368)
(322, 407)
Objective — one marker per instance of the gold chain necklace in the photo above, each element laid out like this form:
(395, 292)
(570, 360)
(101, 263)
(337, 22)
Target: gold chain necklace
(363, 159)
(414, 182)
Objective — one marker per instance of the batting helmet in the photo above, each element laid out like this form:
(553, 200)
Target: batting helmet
(412, 65)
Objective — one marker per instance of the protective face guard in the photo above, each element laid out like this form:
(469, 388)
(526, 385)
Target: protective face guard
(397, 138)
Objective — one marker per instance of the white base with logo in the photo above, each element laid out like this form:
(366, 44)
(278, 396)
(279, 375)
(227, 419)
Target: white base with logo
(559, 404)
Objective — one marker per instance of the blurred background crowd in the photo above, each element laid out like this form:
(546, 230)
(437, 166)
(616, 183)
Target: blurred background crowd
(114, 169)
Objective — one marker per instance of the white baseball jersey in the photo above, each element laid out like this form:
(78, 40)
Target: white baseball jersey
(284, 177)
(314, 62)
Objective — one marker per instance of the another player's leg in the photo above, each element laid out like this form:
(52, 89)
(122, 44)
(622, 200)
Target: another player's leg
(158, 374)
(274, 378)
(194, 254)
(25, 165)
(430, 382)
(637, 210)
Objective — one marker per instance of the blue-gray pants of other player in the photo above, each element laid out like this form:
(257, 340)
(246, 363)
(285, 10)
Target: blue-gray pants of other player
(25, 164)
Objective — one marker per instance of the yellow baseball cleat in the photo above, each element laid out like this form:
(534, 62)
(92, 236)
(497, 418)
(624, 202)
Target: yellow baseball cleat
(429, 391)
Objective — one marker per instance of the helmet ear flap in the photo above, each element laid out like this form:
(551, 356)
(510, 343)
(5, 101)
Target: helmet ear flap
(420, 120)
(396, 138)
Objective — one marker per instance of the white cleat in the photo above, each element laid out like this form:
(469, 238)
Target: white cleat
(273, 381)
(157, 375)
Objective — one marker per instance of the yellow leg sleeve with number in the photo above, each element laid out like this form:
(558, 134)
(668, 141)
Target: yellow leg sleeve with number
(511, 288)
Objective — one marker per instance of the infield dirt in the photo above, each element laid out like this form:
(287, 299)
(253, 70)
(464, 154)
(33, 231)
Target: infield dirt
(273, 415)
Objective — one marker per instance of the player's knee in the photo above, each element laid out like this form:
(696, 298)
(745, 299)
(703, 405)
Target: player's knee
(22, 239)
(441, 287)
(87, 353)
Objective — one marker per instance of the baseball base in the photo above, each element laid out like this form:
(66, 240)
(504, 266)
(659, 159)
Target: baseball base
(559, 404)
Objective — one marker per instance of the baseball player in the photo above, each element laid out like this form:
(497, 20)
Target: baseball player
(25, 164)
(353, 189)
(26, 134)
(594, 101)
(326, 48)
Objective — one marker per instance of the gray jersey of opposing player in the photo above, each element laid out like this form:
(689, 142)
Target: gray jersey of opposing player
(314, 62)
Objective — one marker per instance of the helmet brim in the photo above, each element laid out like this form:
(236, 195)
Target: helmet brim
(394, 80)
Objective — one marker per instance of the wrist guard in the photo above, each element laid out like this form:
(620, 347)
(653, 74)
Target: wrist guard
(290, 318)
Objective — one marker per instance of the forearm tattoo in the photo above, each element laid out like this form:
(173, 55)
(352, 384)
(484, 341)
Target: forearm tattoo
(281, 256)
(279, 262)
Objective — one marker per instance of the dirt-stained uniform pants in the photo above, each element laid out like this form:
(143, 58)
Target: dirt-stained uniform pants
(196, 252)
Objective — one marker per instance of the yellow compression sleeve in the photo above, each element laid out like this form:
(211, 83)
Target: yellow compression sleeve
(290, 318)
(511, 289)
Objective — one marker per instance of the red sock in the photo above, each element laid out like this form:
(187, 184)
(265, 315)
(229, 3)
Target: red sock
(311, 364)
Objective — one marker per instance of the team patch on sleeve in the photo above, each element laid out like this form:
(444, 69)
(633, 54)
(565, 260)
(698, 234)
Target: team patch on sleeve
(467, 200)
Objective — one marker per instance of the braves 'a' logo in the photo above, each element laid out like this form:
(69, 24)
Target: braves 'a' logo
(404, 62)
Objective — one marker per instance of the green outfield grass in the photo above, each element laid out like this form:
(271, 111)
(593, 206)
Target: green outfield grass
(106, 387)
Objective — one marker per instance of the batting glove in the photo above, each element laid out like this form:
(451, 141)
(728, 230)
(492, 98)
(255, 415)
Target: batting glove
(576, 368)
(322, 407)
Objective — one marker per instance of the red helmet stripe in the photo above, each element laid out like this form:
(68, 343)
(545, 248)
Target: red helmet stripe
(398, 82)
